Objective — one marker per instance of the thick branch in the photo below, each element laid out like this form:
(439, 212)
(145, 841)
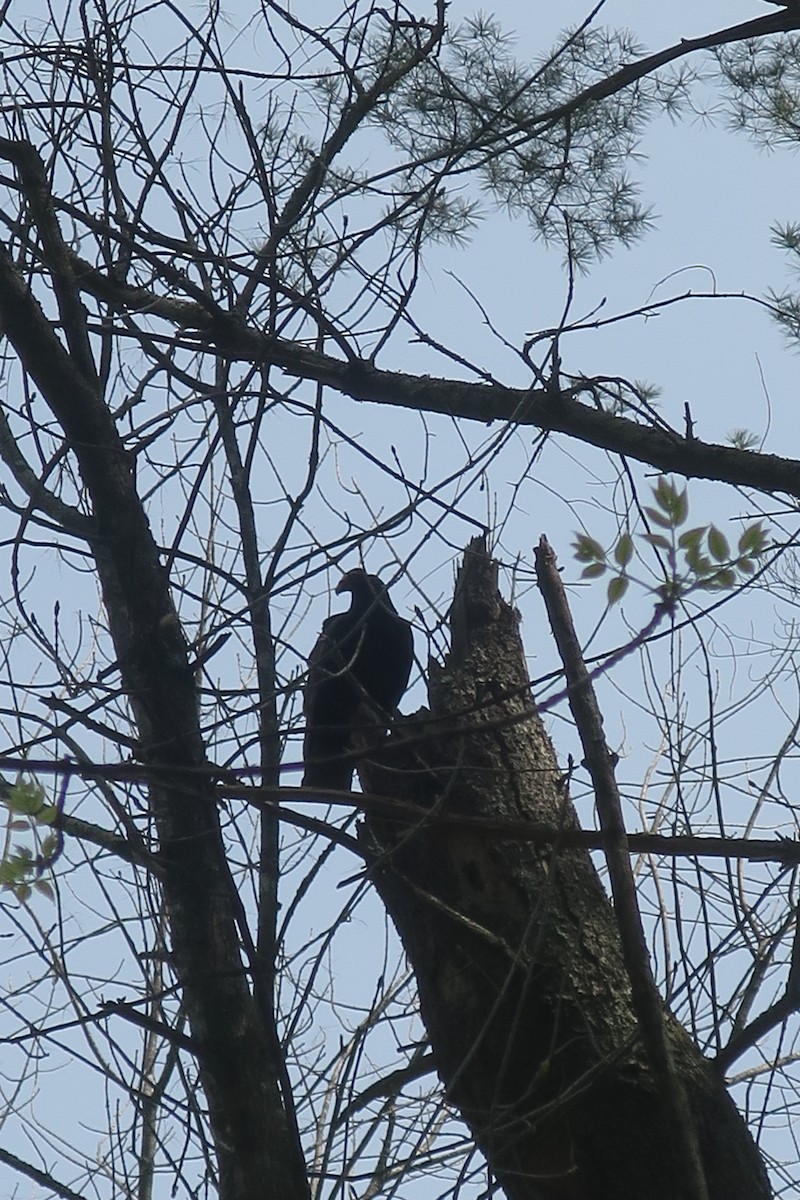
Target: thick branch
(65, 515)
(35, 187)
(563, 412)
(785, 851)
(782, 22)
(43, 1178)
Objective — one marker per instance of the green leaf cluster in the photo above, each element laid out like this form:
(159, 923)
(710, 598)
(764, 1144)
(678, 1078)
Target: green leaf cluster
(696, 558)
(21, 868)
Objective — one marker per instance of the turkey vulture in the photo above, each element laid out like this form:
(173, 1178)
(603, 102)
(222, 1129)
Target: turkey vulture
(362, 656)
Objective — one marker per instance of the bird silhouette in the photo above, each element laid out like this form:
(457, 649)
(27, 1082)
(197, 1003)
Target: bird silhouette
(362, 659)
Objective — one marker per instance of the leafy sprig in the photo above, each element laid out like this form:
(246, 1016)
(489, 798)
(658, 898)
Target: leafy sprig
(23, 865)
(699, 558)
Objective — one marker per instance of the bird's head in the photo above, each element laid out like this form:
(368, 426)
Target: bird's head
(354, 581)
(359, 583)
(365, 589)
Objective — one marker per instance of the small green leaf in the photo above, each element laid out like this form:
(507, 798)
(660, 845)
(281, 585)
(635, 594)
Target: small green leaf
(718, 544)
(664, 493)
(721, 581)
(746, 566)
(753, 540)
(617, 587)
(592, 572)
(657, 518)
(588, 549)
(691, 538)
(25, 797)
(658, 540)
(47, 814)
(44, 888)
(674, 503)
(701, 564)
(623, 551)
(10, 872)
(681, 507)
(50, 845)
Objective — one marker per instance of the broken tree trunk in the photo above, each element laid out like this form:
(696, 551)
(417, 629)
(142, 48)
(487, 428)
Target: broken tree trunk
(516, 949)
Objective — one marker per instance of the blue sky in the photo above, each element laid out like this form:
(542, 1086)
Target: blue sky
(715, 196)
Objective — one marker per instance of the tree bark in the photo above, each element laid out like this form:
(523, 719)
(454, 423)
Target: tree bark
(516, 949)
